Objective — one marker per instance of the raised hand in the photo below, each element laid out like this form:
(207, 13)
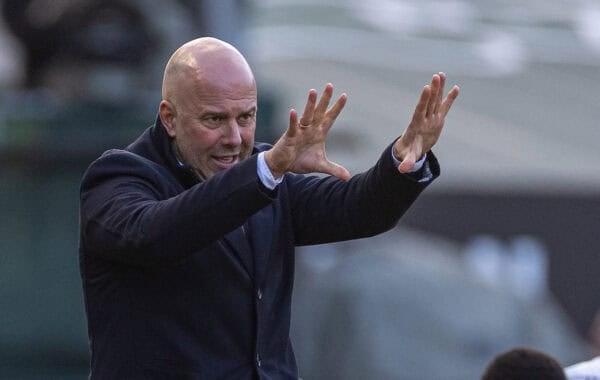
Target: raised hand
(426, 124)
(301, 149)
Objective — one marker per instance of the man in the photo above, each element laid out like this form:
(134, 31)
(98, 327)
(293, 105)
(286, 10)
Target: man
(187, 235)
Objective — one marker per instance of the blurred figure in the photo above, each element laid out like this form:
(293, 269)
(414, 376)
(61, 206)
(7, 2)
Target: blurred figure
(67, 44)
(524, 364)
(520, 267)
(588, 370)
(84, 31)
(594, 334)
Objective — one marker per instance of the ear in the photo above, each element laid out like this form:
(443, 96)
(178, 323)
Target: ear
(167, 115)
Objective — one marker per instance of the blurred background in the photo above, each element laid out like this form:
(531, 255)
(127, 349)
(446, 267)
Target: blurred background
(500, 251)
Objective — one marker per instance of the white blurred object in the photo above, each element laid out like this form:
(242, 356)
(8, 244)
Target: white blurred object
(415, 16)
(527, 268)
(520, 267)
(504, 52)
(483, 257)
(392, 16)
(11, 60)
(587, 24)
(588, 370)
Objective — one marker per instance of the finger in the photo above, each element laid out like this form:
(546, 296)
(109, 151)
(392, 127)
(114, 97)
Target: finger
(309, 109)
(408, 163)
(293, 126)
(324, 101)
(440, 93)
(435, 88)
(335, 110)
(421, 108)
(442, 76)
(447, 103)
(406, 166)
(336, 170)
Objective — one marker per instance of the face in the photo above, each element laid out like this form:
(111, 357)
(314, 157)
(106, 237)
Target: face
(213, 124)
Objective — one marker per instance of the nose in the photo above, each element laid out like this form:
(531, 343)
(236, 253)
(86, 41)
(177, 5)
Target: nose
(231, 134)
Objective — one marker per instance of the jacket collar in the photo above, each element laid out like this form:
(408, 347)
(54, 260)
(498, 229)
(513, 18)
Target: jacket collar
(164, 147)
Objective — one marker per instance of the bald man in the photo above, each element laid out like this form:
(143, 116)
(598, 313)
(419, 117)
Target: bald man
(187, 235)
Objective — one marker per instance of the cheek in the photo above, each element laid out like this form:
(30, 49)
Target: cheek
(202, 139)
(248, 135)
(195, 145)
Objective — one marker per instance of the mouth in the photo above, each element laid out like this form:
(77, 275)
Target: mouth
(226, 161)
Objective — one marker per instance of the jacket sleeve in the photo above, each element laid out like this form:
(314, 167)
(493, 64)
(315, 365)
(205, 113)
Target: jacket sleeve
(133, 210)
(328, 209)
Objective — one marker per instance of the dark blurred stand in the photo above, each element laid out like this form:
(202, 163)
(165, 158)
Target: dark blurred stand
(99, 32)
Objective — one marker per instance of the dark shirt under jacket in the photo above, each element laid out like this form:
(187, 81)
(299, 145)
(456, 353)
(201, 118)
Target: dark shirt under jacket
(174, 288)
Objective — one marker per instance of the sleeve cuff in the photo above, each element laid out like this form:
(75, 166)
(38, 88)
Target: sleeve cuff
(264, 173)
(420, 171)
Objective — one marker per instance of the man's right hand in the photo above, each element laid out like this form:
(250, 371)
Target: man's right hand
(301, 149)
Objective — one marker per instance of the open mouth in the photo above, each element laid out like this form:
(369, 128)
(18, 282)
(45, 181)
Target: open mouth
(226, 160)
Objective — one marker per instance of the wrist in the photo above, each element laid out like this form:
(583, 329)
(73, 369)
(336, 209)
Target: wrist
(276, 171)
(398, 154)
(412, 151)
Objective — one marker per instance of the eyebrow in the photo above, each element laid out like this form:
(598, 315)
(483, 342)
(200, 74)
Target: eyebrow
(226, 114)
(215, 113)
(251, 110)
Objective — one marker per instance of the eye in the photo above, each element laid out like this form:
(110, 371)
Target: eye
(246, 118)
(213, 120)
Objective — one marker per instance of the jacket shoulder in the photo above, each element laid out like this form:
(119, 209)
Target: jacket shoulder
(121, 163)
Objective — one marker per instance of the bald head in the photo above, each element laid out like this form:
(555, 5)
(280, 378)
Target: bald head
(204, 61)
(209, 105)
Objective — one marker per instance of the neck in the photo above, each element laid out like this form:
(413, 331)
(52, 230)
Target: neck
(182, 163)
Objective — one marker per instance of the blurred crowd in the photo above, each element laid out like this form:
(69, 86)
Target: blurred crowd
(104, 49)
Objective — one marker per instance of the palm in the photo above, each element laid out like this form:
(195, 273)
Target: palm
(310, 159)
(302, 147)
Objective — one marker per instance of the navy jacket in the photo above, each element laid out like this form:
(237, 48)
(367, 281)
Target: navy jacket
(174, 288)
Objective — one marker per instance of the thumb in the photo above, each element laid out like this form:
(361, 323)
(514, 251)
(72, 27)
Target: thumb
(336, 170)
(407, 165)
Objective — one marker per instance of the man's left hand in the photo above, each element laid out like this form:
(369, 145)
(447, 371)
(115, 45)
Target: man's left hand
(426, 124)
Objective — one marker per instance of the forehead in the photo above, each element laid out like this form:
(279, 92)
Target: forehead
(224, 92)
(212, 75)
(223, 100)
